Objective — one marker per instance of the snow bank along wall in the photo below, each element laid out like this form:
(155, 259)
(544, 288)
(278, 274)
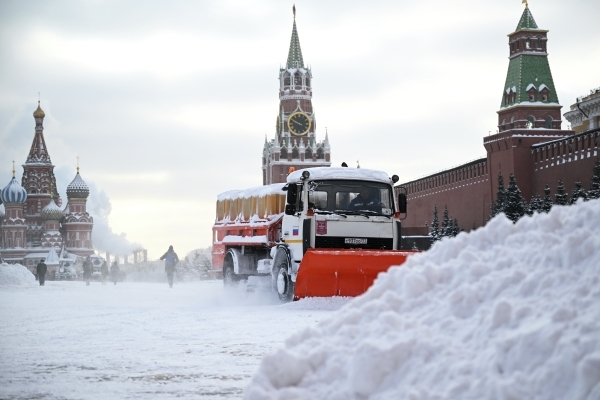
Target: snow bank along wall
(529, 144)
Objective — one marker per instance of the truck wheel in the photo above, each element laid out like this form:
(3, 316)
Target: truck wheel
(229, 278)
(284, 284)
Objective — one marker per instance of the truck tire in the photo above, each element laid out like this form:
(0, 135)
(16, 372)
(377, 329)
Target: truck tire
(284, 284)
(229, 278)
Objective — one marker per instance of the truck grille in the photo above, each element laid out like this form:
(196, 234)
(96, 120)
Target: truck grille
(336, 242)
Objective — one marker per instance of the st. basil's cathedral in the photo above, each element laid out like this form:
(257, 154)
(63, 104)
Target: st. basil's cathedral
(32, 223)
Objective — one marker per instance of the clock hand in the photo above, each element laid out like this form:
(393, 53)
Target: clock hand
(297, 123)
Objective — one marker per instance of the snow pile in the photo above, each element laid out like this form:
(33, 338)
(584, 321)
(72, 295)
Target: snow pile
(15, 274)
(504, 312)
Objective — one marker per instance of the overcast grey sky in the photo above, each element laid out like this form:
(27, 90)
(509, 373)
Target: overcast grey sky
(167, 103)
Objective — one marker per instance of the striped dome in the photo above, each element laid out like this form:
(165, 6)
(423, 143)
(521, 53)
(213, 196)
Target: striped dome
(13, 193)
(78, 188)
(52, 212)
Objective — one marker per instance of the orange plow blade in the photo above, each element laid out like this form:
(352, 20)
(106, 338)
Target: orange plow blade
(328, 272)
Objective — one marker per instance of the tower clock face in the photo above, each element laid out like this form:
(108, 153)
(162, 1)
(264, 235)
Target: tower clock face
(299, 124)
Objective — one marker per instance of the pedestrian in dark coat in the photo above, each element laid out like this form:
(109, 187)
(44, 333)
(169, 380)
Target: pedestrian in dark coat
(114, 272)
(171, 261)
(104, 271)
(87, 270)
(41, 270)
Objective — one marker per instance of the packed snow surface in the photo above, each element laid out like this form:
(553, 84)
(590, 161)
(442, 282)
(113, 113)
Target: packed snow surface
(135, 340)
(509, 311)
(15, 274)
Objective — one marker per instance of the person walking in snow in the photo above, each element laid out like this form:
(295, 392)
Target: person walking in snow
(41, 271)
(114, 272)
(171, 260)
(104, 272)
(87, 270)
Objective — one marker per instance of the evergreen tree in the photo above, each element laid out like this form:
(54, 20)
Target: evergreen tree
(536, 205)
(560, 198)
(578, 192)
(594, 192)
(547, 200)
(434, 230)
(515, 206)
(445, 231)
(455, 228)
(498, 205)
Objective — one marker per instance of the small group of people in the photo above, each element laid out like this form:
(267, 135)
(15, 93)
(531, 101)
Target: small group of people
(170, 257)
(114, 271)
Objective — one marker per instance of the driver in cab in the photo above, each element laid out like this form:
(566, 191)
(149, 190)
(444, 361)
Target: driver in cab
(364, 201)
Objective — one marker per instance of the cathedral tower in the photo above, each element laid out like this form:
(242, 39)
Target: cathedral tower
(13, 226)
(38, 180)
(78, 223)
(295, 144)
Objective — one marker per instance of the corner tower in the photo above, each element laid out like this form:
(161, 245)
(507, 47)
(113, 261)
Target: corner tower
(295, 144)
(529, 98)
(529, 112)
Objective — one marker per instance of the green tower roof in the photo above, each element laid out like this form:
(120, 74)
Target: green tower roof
(527, 70)
(526, 21)
(295, 54)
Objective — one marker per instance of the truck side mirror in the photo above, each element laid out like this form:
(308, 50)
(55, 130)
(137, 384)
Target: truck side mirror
(292, 195)
(290, 209)
(402, 202)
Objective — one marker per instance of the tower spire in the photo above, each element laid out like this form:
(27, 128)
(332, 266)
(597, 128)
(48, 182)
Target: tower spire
(295, 54)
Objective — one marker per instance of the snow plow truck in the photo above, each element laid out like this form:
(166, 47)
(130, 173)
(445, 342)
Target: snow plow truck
(326, 232)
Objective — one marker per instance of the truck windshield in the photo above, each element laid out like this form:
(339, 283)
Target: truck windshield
(351, 196)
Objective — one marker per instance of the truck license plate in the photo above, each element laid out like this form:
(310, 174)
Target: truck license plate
(355, 241)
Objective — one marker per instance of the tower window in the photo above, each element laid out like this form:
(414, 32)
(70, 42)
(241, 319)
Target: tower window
(530, 124)
(548, 122)
(297, 79)
(286, 80)
(527, 44)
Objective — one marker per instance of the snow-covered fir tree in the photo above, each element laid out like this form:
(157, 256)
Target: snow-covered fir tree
(455, 228)
(561, 197)
(445, 230)
(547, 206)
(578, 193)
(434, 230)
(594, 192)
(514, 203)
(498, 204)
(536, 205)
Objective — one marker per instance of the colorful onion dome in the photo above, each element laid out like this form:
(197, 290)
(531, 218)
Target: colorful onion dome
(52, 212)
(78, 188)
(13, 193)
(39, 113)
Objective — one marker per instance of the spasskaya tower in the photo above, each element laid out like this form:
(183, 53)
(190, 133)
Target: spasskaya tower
(295, 143)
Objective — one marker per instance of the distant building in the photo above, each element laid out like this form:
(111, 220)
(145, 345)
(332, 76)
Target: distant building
(295, 143)
(33, 221)
(530, 142)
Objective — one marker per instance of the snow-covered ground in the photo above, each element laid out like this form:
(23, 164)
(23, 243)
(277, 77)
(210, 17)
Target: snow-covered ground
(139, 340)
(504, 312)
